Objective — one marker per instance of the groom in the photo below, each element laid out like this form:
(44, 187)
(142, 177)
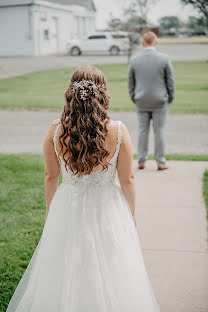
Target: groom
(151, 88)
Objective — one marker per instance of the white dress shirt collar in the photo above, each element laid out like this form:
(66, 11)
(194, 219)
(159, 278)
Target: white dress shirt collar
(150, 48)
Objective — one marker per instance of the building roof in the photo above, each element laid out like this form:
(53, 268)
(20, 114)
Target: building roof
(89, 4)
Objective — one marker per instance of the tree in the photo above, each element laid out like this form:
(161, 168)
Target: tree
(197, 24)
(134, 15)
(169, 22)
(200, 5)
(115, 24)
(141, 8)
(131, 22)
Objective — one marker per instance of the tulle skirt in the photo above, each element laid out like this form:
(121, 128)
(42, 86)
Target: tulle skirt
(88, 258)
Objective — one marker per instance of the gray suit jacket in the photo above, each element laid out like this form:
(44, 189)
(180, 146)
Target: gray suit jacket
(151, 80)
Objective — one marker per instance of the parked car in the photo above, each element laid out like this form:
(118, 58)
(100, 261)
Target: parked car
(106, 42)
(191, 32)
(198, 33)
(169, 32)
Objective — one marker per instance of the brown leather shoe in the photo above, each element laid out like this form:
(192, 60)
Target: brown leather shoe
(141, 166)
(162, 168)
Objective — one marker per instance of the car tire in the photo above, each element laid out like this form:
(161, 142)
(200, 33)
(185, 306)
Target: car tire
(114, 50)
(75, 51)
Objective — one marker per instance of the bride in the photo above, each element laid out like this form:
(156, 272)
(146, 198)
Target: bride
(89, 257)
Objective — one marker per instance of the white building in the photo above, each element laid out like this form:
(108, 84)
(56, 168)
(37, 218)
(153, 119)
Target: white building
(38, 27)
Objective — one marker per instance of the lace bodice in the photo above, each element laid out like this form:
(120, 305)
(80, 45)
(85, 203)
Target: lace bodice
(94, 179)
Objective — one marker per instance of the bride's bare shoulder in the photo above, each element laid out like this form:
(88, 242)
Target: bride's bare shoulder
(51, 128)
(125, 136)
(112, 124)
(55, 122)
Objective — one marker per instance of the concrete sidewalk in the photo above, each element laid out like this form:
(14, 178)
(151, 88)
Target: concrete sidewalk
(24, 133)
(172, 227)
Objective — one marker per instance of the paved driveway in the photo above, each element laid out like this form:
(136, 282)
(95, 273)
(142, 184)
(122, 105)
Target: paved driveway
(13, 66)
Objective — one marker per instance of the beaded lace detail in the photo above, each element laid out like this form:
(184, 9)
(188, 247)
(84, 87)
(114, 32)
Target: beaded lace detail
(94, 179)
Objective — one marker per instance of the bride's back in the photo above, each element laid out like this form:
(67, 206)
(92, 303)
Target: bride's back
(111, 142)
(86, 139)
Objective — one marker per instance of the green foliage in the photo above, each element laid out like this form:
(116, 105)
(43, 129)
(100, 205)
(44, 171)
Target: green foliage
(115, 24)
(169, 22)
(200, 5)
(45, 90)
(197, 24)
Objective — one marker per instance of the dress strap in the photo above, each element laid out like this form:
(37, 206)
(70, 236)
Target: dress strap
(119, 137)
(54, 140)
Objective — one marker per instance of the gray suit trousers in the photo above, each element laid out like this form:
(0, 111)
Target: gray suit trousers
(159, 118)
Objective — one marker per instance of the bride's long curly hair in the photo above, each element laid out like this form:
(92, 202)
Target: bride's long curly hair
(84, 122)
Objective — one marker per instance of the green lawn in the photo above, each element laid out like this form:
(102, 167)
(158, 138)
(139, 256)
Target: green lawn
(22, 214)
(45, 90)
(205, 189)
(184, 157)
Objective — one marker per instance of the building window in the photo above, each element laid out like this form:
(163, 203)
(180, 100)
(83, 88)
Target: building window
(46, 34)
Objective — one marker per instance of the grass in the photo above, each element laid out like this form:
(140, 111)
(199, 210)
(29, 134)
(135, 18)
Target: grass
(183, 157)
(183, 40)
(22, 214)
(205, 189)
(44, 90)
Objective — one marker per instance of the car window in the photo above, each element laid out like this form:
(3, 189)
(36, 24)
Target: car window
(97, 37)
(117, 36)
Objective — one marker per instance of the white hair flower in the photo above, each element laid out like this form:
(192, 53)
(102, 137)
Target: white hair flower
(85, 84)
(95, 88)
(83, 93)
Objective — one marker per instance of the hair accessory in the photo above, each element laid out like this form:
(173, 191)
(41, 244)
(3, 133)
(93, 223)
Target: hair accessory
(82, 85)
(83, 93)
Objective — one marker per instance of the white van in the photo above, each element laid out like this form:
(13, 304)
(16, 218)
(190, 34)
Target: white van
(112, 43)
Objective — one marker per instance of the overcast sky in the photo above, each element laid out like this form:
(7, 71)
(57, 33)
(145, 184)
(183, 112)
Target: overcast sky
(107, 8)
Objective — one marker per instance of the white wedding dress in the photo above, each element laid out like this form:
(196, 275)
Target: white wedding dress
(89, 257)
